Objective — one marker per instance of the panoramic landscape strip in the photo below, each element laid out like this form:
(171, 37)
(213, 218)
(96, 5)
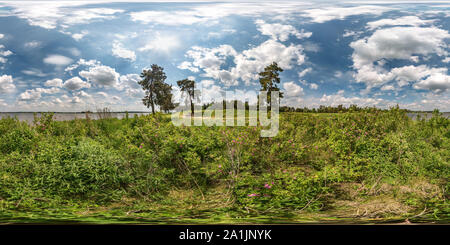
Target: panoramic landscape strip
(224, 113)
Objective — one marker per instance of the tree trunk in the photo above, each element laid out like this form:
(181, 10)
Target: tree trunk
(192, 107)
(152, 102)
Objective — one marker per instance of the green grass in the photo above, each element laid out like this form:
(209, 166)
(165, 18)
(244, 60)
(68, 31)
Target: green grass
(359, 167)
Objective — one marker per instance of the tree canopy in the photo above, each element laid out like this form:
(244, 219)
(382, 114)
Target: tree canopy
(269, 79)
(157, 92)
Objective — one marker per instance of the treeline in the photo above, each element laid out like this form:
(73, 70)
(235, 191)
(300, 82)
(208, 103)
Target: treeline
(335, 109)
(321, 109)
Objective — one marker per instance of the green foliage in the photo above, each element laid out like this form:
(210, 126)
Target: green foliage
(301, 169)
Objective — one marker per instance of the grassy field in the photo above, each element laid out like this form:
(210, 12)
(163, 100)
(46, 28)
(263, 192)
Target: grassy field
(355, 167)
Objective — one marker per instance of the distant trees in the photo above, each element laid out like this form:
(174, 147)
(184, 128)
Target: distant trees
(269, 79)
(330, 109)
(157, 92)
(188, 86)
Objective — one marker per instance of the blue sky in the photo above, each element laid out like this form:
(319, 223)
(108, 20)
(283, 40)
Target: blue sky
(74, 55)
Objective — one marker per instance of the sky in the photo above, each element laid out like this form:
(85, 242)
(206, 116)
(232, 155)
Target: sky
(85, 55)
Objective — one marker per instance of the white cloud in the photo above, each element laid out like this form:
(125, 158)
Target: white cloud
(248, 63)
(129, 83)
(119, 51)
(350, 33)
(438, 83)
(59, 60)
(6, 84)
(340, 99)
(54, 83)
(32, 44)
(35, 94)
(186, 65)
(79, 36)
(279, 31)
(304, 72)
(75, 83)
(313, 86)
(206, 83)
(167, 18)
(2, 35)
(221, 33)
(292, 89)
(402, 21)
(4, 53)
(210, 13)
(406, 74)
(293, 94)
(102, 94)
(52, 14)
(387, 87)
(399, 43)
(321, 15)
(404, 43)
(162, 43)
(83, 94)
(76, 100)
(82, 62)
(102, 75)
(34, 72)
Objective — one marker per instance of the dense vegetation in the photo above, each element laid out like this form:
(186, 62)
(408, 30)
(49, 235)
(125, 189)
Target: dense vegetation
(347, 166)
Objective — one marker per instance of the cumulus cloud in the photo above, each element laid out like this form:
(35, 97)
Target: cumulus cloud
(293, 94)
(75, 83)
(4, 54)
(313, 86)
(35, 94)
(340, 99)
(54, 83)
(402, 21)
(6, 84)
(387, 87)
(279, 31)
(34, 72)
(51, 14)
(350, 33)
(32, 44)
(221, 33)
(210, 13)
(102, 94)
(332, 13)
(304, 72)
(438, 82)
(58, 60)
(403, 43)
(162, 43)
(292, 89)
(129, 83)
(399, 43)
(119, 51)
(102, 75)
(79, 36)
(166, 18)
(248, 63)
(82, 62)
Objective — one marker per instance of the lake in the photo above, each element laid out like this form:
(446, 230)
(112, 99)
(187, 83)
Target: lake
(29, 116)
